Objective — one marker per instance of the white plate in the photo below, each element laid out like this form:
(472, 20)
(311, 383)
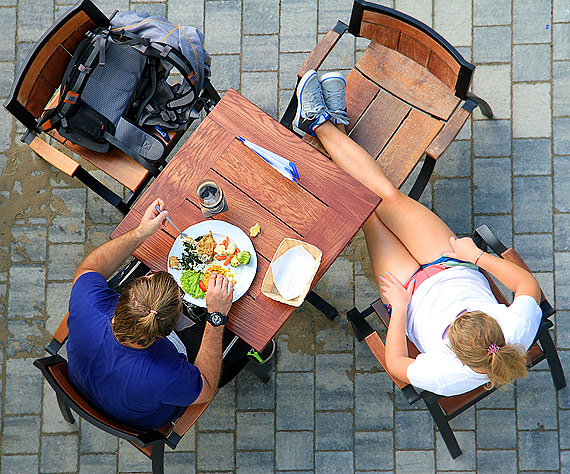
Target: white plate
(243, 275)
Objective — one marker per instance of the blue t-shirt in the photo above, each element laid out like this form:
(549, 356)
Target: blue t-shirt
(145, 388)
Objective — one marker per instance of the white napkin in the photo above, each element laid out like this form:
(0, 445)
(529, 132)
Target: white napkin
(293, 271)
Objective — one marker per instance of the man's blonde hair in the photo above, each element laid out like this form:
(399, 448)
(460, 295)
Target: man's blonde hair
(148, 309)
(472, 337)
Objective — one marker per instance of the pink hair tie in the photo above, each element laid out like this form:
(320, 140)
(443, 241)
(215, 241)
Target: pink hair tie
(492, 349)
(152, 311)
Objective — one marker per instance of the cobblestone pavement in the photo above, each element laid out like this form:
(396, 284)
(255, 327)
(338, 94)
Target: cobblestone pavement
(328, 408)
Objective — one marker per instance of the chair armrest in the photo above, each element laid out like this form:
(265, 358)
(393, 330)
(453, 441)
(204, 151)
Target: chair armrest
(323, 48)
(450, 130)
(53, 156)
(183, 424)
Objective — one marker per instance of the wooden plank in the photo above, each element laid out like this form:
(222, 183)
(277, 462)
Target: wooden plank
(320, 52)
(55, 68)
(27, 87)
(41, 94)
(447, 133)
(182, 174)
(442, 71)
(379, 122)
(408, 145)
(242, 212)
(388, 37)
(413, 32)
(332, 234)
(378, 349)
(280, 196)
(320, 176)
(115, 163)
(54, 157)
(359, 93)
(407, 80)
(452, 404)
(414, 50)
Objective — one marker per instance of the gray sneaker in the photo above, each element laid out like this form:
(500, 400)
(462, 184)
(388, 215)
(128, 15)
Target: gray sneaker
(333, 85)
(311, 111)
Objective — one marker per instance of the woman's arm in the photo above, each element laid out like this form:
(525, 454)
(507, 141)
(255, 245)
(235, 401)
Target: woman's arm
(397, 360)
(515, 278)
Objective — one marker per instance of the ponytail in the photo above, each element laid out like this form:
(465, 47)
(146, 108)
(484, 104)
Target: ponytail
(478, 341)
(148, 309)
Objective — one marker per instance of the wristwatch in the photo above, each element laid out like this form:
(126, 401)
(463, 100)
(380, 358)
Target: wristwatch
(216, 318)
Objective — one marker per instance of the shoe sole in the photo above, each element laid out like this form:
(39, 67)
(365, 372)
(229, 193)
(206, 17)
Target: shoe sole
(299, 92)
(268, 358)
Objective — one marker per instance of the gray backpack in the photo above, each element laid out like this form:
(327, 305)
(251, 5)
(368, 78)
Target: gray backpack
(120, 89)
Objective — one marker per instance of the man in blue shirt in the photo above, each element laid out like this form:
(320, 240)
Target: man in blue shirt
(119, 355)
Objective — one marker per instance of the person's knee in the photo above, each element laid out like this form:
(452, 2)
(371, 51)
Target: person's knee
(391, 195)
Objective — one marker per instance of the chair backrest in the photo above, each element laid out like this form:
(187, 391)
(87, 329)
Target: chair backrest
(54, 369)
(42, 72)
(415, 40)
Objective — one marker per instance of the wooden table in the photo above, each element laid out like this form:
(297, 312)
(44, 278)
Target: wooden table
(325, 209)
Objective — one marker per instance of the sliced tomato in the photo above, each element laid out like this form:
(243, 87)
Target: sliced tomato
(202, 286)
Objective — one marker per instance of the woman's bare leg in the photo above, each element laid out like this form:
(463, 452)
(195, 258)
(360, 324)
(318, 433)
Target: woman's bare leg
(386, 252)
(424, 234)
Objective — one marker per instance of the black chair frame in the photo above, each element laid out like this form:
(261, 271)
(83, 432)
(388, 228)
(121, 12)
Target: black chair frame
(484, 238)
(461, 88)
(208, 98)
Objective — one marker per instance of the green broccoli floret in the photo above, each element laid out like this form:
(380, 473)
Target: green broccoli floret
(244, 257)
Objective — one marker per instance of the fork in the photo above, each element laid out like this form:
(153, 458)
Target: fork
(174, 225)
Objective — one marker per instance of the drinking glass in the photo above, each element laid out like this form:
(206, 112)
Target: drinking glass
(211, 198)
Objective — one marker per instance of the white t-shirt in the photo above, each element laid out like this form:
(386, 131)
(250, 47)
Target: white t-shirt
(436, 303)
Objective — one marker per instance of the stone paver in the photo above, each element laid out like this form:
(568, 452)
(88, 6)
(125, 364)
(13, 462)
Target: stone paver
(327, 408)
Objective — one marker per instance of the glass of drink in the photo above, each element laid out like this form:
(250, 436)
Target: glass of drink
(211, 198)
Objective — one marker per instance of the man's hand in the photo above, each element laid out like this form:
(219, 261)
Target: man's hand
(463, 249)
(220, 294)
(152, 219)
(394, 292)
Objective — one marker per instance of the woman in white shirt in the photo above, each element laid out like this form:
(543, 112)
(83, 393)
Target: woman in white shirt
(428, 276)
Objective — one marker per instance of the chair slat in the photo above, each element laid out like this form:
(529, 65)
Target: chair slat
(408, 80)
(116, 164)
(375, 18)
(414, 50)
(359, 93)
(388, 37)
(76, 26)
(407, 146)
(441, 70)
(377, 124)
(448, 133)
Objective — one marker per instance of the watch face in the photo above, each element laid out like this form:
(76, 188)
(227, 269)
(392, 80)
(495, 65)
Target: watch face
(216, 319)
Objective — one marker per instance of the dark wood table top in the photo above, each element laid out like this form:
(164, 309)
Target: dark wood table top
(325, 209)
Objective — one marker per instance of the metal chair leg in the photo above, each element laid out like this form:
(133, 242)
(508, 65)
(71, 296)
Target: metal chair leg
(322, 305)
(65, 410)
(157, 457)
(483, 105)
(444, 428)
(553, 360)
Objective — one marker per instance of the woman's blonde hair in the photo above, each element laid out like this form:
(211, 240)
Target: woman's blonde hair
(478, 341)
(148, 309)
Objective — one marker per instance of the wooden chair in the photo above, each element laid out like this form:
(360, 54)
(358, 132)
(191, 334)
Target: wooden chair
(35, 89)
(150, 442)
(406, 96)
(443, 409)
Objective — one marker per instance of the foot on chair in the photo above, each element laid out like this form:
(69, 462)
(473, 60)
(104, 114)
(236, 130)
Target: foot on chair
(311, 111)
(333, 85)
(263, 356)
